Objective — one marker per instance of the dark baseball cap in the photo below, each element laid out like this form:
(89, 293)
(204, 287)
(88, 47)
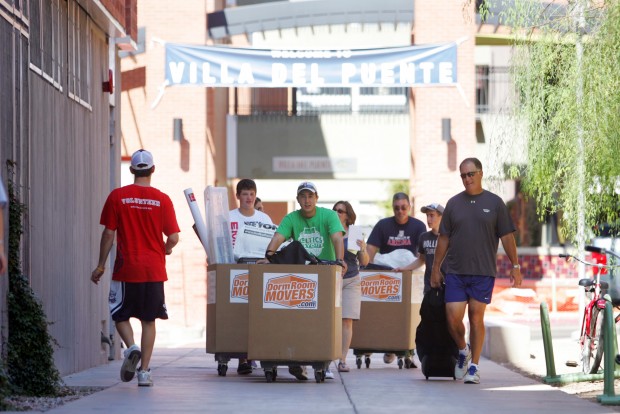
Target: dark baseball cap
(432, 207)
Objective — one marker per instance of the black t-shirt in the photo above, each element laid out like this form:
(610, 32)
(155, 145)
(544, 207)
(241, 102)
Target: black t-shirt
(474, 225)
(353, 265)
(388, 235)
(426, 246)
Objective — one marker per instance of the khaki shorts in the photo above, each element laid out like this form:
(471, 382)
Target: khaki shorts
(351, 297)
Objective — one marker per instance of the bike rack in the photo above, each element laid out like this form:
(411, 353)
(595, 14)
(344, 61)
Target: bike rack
(610, 340)
(552, 377)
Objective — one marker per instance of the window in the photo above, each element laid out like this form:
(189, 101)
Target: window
(46, 39)
(348, 100)
(482, 89)
(78, 54)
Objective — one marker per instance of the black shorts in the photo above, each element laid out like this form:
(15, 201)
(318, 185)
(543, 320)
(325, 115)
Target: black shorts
(144, 301)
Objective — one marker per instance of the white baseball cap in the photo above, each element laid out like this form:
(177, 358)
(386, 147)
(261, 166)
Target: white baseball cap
(141, 160)
(306, 185)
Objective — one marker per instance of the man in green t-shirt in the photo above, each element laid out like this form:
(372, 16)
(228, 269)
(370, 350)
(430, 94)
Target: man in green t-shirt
(318, 229)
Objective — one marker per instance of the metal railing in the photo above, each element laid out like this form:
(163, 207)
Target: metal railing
(494, 89)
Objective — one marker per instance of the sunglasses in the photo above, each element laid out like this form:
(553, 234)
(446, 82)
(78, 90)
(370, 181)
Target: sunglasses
(340, 211)
(403, 208)
(469, 174)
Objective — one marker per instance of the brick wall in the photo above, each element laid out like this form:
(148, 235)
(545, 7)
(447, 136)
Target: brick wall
(546, 278)
(126, 13)
(438, 22)
(178, 165)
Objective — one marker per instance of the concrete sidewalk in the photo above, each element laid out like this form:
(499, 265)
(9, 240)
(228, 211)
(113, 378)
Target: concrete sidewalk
(186, 381)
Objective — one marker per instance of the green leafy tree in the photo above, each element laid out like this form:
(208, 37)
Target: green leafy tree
(566, 69)
(396, 186)
(30, 359)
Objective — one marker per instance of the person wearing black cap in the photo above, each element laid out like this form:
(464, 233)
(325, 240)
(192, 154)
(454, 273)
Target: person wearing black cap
(140, 214)
(427, 243)
(318, 229)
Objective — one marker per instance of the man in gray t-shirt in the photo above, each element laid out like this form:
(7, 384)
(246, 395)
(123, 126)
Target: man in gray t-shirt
(473, 222)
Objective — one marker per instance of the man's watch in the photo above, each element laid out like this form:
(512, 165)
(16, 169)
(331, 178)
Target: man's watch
(517, 266)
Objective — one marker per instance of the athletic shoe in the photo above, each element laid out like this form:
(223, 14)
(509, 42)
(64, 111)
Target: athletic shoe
(342, 367)
(132, 357)
(389, 358)
(244, 368)
(462, 364)
(409, 363)
(144, 378)
(473, 375)
(298, 372)
(329, 374)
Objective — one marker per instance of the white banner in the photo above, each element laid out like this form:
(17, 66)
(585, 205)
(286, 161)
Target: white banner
(225, 66)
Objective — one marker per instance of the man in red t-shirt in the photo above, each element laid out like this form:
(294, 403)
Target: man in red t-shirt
(140, 214)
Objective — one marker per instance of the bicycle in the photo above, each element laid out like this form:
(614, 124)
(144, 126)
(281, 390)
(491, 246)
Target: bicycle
(591, 335)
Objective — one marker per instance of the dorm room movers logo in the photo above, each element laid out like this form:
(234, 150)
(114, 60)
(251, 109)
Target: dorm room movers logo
(239, 286)
(288, 291)
(381, 287)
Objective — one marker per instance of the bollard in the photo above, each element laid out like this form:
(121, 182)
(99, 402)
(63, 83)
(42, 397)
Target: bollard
(547, 342)
(552, 377)
(609, 363)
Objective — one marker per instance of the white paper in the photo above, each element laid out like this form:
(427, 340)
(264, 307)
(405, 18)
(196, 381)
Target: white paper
(200, 224)
(253, 239)
(357, 233)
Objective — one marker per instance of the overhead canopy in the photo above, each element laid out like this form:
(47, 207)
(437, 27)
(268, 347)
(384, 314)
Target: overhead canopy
(286, 14)
(210, 66)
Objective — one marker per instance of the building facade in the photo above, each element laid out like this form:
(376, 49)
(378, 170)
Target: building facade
(372, 140)
(60, 147)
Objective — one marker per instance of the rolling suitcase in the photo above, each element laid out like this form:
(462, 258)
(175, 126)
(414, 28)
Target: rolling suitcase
(436, 349)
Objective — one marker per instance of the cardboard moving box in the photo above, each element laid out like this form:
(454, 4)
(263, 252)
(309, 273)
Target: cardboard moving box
(390, 311)
(295, 312)
(227, 308)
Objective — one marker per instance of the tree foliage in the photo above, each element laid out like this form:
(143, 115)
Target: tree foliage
(30, 359)
(567, 97)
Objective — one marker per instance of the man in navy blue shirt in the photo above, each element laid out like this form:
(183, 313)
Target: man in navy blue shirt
(398, 232)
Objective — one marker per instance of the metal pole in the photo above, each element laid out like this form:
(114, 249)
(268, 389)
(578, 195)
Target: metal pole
(609, 363)
(545, 325)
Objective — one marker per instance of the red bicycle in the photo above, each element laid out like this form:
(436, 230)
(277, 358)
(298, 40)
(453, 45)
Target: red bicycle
(591, 335)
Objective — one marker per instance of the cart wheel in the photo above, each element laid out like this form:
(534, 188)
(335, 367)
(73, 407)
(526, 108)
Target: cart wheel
(409, 363)
(358, 362)
(269, 376)
(400, 363)
(319, 376)
(221, 369)
(367, 361)
(427, 378)
(275, 373)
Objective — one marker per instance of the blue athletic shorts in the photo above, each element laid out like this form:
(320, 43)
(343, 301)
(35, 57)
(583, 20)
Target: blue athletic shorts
(459, 288)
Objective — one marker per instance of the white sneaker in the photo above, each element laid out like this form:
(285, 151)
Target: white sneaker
(389, 358)
(462, 364)
(329, 374)
(472, 376)
(144, 378)
(132, 357)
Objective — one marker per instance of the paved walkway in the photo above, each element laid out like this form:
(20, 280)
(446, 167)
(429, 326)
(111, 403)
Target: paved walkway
(186, 381)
